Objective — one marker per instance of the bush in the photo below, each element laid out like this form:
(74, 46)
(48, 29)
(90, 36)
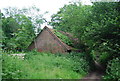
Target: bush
(101, 57)
(43, 66)
(104, 57)
(12, 67)
(113, 70)
(80, 62)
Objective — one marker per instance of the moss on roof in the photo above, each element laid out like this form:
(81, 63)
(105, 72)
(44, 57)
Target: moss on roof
(63, 38)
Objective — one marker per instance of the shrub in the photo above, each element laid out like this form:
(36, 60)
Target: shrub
(104, 57)
(43, 66)
(29, 55)
(113, 70)
(80, 63)
(12, 67)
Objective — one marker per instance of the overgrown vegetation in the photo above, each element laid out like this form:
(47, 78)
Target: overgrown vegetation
(19, 27)
(97, 26)
(64, 38)
(113, 70)
(44, 66)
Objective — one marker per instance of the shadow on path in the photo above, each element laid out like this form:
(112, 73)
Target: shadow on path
(95, 75)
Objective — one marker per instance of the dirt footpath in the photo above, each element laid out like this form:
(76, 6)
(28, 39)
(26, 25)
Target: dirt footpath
(95, 75)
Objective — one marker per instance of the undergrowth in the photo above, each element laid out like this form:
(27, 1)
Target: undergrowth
(113, 70)
(44, 66)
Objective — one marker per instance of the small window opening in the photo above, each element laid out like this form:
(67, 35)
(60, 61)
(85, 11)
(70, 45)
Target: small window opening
(69, 51)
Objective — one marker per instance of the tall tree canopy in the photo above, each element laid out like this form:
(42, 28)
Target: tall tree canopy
(73, 18)
(19, 27)
(97, 26)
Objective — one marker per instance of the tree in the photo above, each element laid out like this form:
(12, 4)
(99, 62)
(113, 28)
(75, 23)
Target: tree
(73, 18)
(105, 30)
(96, 26)
(19, 28)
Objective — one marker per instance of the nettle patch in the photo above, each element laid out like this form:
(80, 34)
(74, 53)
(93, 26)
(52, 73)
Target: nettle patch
(64, 38)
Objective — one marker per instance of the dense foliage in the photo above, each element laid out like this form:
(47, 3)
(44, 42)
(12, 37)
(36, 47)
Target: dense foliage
(19, 27)
(97, 27)
(113, 70)
(64, 38)
(83, 61)
(44, 66)
(105, 30)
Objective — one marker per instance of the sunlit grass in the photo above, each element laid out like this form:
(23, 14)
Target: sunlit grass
(40, 66)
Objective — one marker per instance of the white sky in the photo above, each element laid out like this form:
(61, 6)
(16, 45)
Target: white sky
(52, 6)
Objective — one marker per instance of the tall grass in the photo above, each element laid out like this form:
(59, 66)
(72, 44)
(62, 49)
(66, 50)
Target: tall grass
(43, 66)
